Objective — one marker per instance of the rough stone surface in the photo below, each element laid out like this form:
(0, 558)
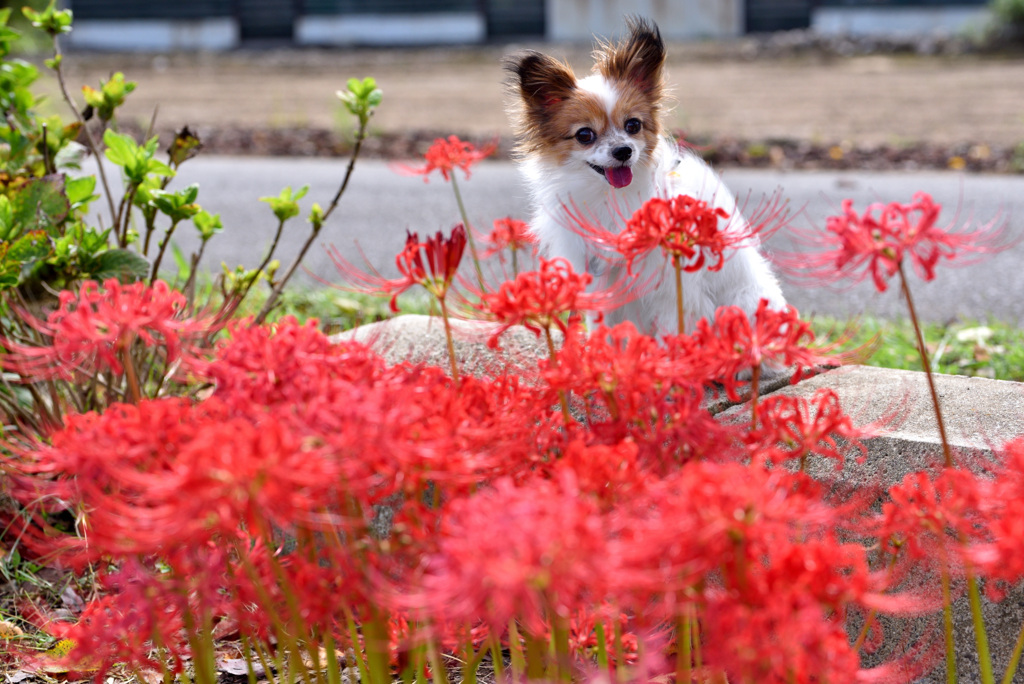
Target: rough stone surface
(421, 339)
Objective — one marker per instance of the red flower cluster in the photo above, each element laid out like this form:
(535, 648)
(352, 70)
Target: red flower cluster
(316, 494)
(91, 329)
(443, 256)
(509, 234)
(686, 229)
(542, 299)
(877, 242)
(446, 155)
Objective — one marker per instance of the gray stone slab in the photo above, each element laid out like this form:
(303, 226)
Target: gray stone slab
(420, 339)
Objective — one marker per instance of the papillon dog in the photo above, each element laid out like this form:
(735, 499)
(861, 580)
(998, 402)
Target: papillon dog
(596, 147)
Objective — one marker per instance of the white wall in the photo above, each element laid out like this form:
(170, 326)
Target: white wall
(897, 21)
(391, 29)
(158, 35)
(581, 20)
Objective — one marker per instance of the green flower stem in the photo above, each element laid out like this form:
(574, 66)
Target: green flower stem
(755, 380)
(621, 673)
(680, 318)
(602, 647)
(353, 634)
(566, 416)
(946, 451)
(130, 376)
(469, 233)
(375, 641)
(535, 658)
(980, 635)
(947, 626)
(684, 660)
(1011, 667)
(560, 636)
(449, 340)
(515, 649)
(497, 659)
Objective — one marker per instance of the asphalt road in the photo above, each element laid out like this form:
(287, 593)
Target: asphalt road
(381, 204)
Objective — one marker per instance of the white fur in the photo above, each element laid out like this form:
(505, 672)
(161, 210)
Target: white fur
(557, 189)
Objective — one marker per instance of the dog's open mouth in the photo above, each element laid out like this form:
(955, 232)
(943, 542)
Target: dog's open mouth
(617, 176)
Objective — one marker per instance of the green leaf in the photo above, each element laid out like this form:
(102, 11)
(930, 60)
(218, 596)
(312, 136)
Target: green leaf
(51, 20)
(286, 205)
(7, 229)
(361, 98)
(207, 224)
(39, 203)
(80, 192)
(121, 149)
(30, 247)
(123, 264)
(178, 205)
(109, 97)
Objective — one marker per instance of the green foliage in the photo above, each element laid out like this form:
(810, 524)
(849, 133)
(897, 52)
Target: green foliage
(178, 206)
(51, 20)
(109, 97)
(207, 224)
(361, 98)
(286, 205)
(137, 161)
(1009, 11)
(990, 350)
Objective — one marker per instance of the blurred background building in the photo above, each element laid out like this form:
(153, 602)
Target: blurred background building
(224, 24)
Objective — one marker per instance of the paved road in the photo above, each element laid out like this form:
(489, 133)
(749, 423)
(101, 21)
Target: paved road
(381, 205)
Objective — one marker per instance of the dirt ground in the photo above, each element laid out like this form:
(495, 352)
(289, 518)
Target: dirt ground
(876, 99)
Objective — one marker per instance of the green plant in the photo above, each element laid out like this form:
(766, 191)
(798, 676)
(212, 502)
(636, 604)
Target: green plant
(1009, 11)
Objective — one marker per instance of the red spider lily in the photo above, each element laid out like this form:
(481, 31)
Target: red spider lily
(91, 330)
(734, 344)
(540, 299)
(442, 261)
(928, 510)
(535, 577)
(877, 242)
(286, 363)
(1000, 556)
(685, 228)
(795, 428)
(447, 155)
(688, 231)
(509, 234)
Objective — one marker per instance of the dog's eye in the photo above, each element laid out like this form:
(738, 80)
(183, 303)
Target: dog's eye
(633, 126)
(585, 136)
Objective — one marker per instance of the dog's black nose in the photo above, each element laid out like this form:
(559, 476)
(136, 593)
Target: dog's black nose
(622, 153)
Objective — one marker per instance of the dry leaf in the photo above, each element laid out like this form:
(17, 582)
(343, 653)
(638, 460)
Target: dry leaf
(237, 666)
(9, 630)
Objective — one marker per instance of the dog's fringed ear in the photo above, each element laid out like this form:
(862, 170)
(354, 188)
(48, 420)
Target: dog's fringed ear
(543, 82)
(638, 59)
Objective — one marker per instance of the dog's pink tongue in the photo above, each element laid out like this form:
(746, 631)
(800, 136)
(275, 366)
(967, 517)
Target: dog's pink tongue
(619, 176)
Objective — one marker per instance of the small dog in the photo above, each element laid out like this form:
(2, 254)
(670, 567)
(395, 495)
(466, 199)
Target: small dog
(594, 146)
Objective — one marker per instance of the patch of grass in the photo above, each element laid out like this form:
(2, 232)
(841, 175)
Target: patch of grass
(990, 350)
(337, 311)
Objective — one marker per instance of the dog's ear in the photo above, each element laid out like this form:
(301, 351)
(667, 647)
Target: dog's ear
(638, 59)
(543, 82)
